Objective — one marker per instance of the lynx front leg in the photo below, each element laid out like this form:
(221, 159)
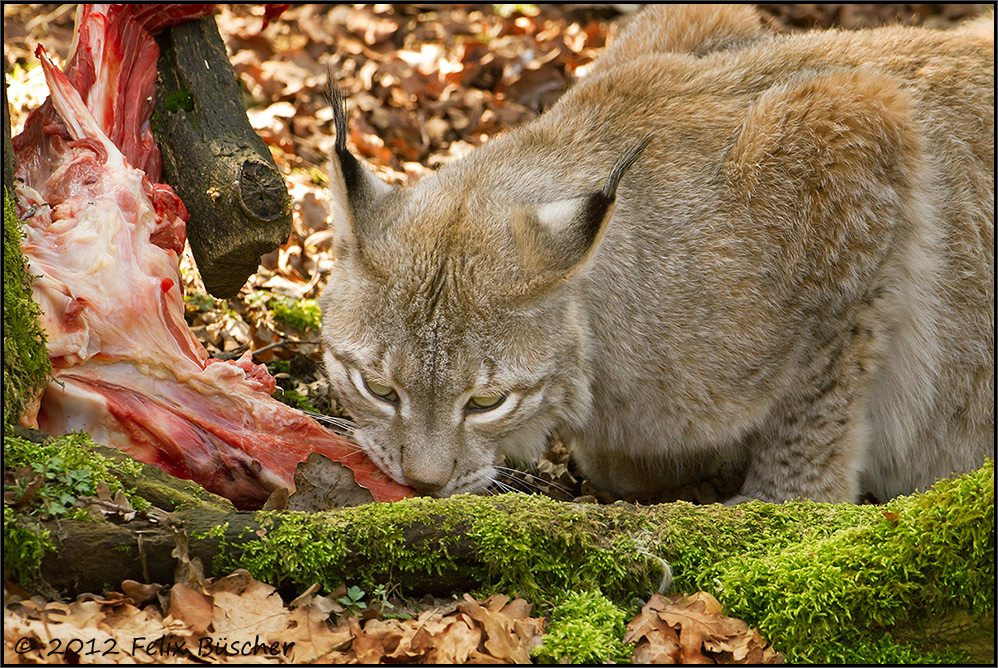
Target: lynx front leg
(814, 445)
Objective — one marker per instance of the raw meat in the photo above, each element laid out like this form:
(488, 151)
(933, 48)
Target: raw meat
(105, 240)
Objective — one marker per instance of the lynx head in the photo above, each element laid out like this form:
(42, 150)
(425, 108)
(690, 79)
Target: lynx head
(451, 329)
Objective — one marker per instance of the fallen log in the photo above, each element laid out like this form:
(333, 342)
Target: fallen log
(828, 582)
(238, 203)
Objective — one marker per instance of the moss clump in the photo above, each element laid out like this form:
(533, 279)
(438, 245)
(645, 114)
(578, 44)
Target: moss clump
(179, 100)
(24, 546)
(26, 365)
(834, 597)
(586, 627)
(367, 544)
(69, 468)
(304, 314)
(296, 400)
(149, 485)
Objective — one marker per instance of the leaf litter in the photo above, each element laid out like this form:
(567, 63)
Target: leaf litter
(691, 629)
(237, 619)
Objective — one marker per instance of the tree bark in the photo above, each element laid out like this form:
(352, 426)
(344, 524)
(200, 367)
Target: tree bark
(238, 203)
(8, 147)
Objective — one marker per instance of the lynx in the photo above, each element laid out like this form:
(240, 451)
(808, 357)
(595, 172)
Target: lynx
(721, 247)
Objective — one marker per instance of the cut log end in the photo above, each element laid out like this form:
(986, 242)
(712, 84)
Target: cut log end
(237, 201)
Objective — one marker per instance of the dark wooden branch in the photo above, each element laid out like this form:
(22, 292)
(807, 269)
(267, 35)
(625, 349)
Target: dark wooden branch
(238, 203)
(8, 147)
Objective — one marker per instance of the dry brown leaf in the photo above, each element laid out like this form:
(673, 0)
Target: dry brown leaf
(450, 639)
(309, 628)
(235, 582)
(691, 629)
(192, 608)
(140, 593)
(500, 638)
(189, 571)
(660, 646)
(256, 609)
(457, 642)
(321, 484)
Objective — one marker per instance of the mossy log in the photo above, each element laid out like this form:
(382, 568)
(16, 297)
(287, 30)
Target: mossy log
(824, 582)
(238, 203)
(26, 365)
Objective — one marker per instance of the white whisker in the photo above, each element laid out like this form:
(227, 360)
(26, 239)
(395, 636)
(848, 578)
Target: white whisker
(342, 425)
(528, 485)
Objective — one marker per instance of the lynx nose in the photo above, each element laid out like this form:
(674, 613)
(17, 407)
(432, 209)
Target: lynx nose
(426, 487)
(426, 475)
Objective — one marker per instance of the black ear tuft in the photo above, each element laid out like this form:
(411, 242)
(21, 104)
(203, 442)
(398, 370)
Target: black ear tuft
(353, 189)
(352, 169)
(593, 211)
(557, 237)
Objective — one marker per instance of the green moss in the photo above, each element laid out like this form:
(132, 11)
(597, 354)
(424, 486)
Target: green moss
(832, 597)
(303, 313)
(533, 545)
(148, 485)
(26, 365)
(296, 400)
(586, 627)
(217, 531)
(24, 545)
(70, 468)
(824, 582)
(276, 366)
(177, 100)
(526, 546)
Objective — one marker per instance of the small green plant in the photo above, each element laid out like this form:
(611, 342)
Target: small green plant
(61, 488)
(303, 314)
(62, 469)
(196, 301)
(353, 600)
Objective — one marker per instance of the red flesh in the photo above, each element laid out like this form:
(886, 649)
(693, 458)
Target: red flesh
(105, 240)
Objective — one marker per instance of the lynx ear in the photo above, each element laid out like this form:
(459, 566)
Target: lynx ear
(353, 189)
(555, 238)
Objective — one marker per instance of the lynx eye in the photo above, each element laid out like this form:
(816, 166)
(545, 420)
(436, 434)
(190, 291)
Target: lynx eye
(381, 391)
(486, 402)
